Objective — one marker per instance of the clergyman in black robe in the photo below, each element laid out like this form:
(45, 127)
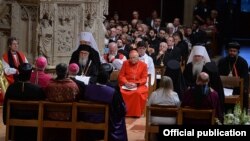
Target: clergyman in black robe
(87, 66)
(23, 90)
(235, 65)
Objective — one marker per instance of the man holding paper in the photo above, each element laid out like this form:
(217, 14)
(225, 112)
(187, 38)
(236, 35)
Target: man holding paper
(132, 80)
(88, 70)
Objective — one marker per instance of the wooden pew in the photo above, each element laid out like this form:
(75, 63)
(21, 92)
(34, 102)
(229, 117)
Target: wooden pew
(197, 114)
(91, 108)
(232, 82)
(47, 122)
(41, 120)
(16, 113)
(159, 111)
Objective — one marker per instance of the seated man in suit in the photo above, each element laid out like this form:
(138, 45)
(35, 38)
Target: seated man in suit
(114, 57)
(201, 96)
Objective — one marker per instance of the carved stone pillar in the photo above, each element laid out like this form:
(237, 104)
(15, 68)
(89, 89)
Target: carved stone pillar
(64, 20)
(188, 11)
(51, 27)
(4, 25)
(24, 19)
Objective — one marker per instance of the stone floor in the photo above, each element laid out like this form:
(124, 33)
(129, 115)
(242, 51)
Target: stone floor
(2, 126)
(135, 128)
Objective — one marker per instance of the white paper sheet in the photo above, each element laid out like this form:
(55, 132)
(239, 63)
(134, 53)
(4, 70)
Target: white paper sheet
(158, 76)
(228, 92)
(126, 88)
(84, 79)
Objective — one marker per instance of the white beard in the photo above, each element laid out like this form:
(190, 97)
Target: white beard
(197, 68)
(83, 61)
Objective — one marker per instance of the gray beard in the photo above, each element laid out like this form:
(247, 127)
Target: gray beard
(197, 68)
(83, 61)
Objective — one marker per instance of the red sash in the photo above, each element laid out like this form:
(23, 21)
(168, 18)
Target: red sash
(10, 78)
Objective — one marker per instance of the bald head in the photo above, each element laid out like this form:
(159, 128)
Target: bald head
(133, 56)
(133, 53)
(202, 78)
(113, 48)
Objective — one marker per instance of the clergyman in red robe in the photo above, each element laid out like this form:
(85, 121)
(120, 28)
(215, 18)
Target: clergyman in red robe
(132, 81)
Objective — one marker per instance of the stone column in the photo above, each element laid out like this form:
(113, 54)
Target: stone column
(23, 27)
(188, 11)
(51, 27)
(4, 25)
(66, 19)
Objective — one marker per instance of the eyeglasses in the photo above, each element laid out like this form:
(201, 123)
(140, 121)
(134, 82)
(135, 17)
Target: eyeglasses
(133, 58)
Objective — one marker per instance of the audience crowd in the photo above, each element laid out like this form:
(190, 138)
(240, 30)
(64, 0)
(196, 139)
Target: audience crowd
(134, 48)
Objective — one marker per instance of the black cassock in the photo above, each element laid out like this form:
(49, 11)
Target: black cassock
(31, 92)
(190, 79)
(214, 81)
(93, 54)
(92, 67)
(225, 65)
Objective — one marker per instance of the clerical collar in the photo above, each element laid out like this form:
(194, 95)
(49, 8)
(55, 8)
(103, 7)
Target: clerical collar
(172, 47)
(13, 52)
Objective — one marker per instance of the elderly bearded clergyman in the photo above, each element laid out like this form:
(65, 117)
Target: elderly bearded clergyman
(196, 61)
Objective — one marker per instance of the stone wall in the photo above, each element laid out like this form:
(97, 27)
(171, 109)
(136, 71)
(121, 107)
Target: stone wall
(5, 20)
(51, 27)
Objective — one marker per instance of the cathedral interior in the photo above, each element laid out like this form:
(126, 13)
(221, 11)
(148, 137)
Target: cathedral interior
(51, 28)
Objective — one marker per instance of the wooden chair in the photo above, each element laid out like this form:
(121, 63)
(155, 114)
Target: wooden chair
(197, 114)
(91, 107)
(159, 72)
(233, 82)
(114, 75)
(150, 87)
(150, 90)
(13, 118)
(53, 123)
(51, 70)
(159, 111)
